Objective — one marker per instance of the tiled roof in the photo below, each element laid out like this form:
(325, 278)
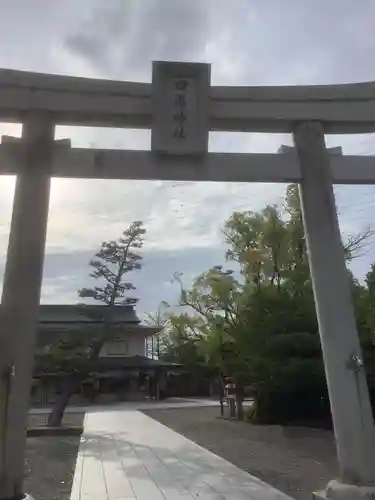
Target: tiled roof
(77, 314)
(119, 364)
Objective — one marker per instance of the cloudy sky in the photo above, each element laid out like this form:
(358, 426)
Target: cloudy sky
(273, 42)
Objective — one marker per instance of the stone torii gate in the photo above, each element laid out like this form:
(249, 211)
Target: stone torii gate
(180, 107)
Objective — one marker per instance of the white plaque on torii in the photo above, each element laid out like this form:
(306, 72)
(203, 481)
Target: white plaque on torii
(180, 95)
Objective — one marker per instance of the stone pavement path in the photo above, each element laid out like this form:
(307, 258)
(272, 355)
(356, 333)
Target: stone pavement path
(125, 455)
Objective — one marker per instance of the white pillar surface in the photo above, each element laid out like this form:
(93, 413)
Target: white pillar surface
(346, 379)
(21, 297)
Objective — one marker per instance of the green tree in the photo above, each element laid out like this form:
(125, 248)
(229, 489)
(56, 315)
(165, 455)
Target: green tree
(257, 242)
(180, 342)
(285, 368)
(215, 298)
(160, 320)
(280, 327)
(262, 330)
(111, 265)
(364, 296)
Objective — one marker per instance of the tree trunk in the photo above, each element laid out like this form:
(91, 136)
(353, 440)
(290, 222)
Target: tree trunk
(57, 412)
(69, 384)
(221, 406)
(222, 394)
(231, 406)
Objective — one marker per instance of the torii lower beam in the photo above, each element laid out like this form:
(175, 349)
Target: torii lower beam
(81, 163)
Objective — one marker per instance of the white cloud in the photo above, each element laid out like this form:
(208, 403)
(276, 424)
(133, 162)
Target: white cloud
(269, 43)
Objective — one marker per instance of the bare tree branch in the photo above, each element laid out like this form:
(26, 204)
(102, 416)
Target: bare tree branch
(357, 245)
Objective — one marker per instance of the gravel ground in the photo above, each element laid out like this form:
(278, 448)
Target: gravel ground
(49, 466)
(295, 460)
(50, 460)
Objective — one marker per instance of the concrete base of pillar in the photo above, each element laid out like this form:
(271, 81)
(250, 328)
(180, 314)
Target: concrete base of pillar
(339, 491)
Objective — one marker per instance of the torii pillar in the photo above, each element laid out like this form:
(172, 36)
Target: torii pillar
(346, 379)
(19, 316)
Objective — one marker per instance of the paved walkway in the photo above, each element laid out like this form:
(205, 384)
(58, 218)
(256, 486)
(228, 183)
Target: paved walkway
(126, 455)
